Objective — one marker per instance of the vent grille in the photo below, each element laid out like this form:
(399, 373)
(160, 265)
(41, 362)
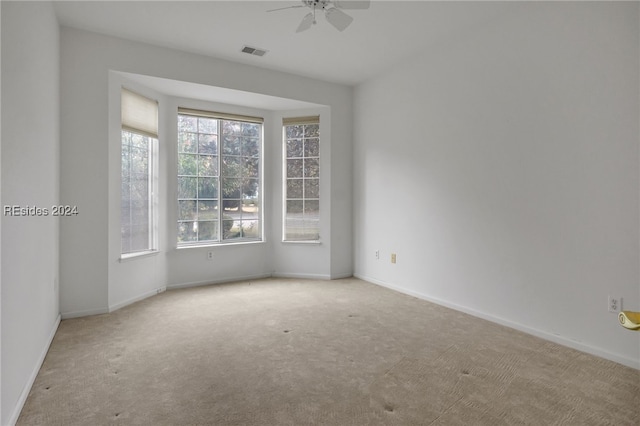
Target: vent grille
(253, 51)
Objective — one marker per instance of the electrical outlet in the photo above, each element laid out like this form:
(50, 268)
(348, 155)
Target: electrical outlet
(393, 258)
(614, 304)
(377, 254)
(209, 255)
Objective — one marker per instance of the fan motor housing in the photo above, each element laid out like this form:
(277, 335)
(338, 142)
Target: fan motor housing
(316, 3)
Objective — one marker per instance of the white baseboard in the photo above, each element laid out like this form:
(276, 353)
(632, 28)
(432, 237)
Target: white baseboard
(217, 281)
(34, 373)
(301, 276)
(135, 299)
(561, 340)
(342, 275)
(86, 313)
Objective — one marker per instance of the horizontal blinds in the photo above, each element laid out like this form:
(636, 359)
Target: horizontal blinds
(220, 115)
(139, 114)
(292, 121)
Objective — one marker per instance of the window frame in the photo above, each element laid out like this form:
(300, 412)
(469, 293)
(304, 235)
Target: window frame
(149, 131)
(301, 121)
(220, 220)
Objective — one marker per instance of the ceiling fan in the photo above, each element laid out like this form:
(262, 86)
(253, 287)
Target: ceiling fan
(332, 11)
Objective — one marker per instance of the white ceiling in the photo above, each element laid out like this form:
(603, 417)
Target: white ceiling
(377, 39)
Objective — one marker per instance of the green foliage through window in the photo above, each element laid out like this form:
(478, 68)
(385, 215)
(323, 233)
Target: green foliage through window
(218, 180)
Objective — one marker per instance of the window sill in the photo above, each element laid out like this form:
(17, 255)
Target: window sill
(131, 256)
(213, 245)
(311, 242)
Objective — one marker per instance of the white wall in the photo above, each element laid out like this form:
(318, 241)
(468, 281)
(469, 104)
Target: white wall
(502, 167)
(30, 176)
(92, 278)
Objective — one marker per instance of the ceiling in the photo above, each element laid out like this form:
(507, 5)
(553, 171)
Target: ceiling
(378, 38)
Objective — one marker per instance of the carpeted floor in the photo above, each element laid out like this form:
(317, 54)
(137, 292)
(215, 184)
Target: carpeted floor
(294, 352)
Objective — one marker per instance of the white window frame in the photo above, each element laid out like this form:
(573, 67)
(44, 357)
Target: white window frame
(300, 121)
(220, 234)
(139, 116)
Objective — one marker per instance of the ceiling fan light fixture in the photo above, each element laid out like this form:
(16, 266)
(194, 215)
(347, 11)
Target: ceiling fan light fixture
(332, 10)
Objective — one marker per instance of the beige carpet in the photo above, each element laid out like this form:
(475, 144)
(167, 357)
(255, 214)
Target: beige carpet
(293, 352)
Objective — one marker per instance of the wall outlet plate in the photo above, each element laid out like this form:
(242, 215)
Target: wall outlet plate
(614, 304)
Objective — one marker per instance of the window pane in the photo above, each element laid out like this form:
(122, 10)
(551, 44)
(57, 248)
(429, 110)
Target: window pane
(229, 227)
(136, 215)
(187, 187)
(207, 125)
(311, 209)
(207, 144)
(294, 132)
(294, 188)
(294, 168)
(250, 228)
(250, 129)
(139, 237)
(250, 167)
(294, 148)
(250, 189)
(311, 130)
(250, 211)
(208, 187)
(139, 212)
(187, 164)
(231, 188)
(302, 186)
(311, 188)
(187, 210)
(208, 230)
(311, 148)
(311, 168)
(294, 206)
(232, 127)
(207, 165)
(250, 147)
(187, 142)
(139, 159)
(187, 123)
(231, 166)
(208, 183)
(187, 231)
(207, 210)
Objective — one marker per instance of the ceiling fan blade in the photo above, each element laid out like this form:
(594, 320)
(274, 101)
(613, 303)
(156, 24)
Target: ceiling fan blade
(352, 4)
(306, 23)
(283, 8)
(338, 18)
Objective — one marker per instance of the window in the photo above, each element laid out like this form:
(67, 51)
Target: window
(302, 179)
(219, 185)
(139, 141)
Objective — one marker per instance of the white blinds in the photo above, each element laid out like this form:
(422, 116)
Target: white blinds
(139, 114)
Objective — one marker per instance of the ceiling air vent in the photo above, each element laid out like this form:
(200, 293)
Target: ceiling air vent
(253, 51)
